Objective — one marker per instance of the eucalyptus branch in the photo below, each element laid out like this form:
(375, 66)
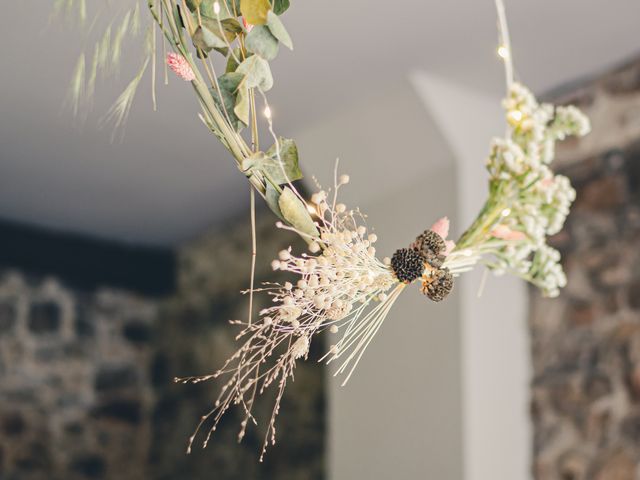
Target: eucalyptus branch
(176, 11)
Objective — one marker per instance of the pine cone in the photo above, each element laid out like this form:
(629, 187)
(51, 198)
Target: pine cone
(439, 286)
(407, 264)
(429, 242)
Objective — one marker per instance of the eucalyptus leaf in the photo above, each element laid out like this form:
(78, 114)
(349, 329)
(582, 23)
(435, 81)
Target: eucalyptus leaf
(280, 6)
(232, 63)
(205, 6)
(231, 25)
(261, 42)
(295, 212)
(272, 196)
(288, 153)
(257, 73)
(255, 11)
(278, 170)
(205, 39)
(242, 106)
(225, 29)
(222, 51)
(229, 84)
(276, 27)
(233, 6)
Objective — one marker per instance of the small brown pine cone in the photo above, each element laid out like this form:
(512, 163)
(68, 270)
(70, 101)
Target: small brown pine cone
(407, 264)
(439, 285)
(429, 242)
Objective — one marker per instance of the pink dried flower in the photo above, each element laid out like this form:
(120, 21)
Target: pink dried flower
(450, 244)
(248, 27)
(181, 67)
(505, 233)
(441, 227)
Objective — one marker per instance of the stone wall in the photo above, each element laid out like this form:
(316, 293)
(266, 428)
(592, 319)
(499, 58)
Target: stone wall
(586, 344)
(86, 386)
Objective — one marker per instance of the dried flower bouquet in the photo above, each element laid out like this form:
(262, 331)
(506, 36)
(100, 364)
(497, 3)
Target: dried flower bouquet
(339, 285)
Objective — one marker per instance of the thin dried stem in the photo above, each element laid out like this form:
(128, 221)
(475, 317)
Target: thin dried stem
(254, 251)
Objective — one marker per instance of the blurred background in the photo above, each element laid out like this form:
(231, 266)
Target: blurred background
(120, 263)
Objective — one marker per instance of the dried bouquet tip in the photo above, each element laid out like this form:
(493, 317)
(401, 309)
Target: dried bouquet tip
(180, 67)
(341, 287)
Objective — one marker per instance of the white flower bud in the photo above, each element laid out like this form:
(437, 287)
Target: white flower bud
(284, 255)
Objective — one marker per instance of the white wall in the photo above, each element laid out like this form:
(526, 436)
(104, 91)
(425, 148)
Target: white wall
(400, 415)
(442, 392)
(495, 344)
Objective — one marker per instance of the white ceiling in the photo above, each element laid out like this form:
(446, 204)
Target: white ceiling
(169, 179)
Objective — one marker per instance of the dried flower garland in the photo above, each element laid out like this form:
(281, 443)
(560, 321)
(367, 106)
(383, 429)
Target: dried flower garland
(340, 285)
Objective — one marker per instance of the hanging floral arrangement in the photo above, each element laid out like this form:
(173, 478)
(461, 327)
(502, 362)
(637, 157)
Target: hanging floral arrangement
(340, 283)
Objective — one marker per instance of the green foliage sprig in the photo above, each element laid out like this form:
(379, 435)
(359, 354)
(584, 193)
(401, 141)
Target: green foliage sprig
(227, 45)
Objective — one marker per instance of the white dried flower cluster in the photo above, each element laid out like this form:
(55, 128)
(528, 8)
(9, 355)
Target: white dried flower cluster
(534, 202)
(343, 273)
(546, 271)
(341, 286)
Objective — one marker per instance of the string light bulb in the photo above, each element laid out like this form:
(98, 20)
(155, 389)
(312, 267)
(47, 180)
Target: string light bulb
(503, 52)
(267, 111)
(216, 8)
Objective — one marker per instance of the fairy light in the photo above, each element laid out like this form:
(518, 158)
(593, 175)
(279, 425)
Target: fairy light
(505, 212)
(267, 112)
(503, 52)
(216, 8)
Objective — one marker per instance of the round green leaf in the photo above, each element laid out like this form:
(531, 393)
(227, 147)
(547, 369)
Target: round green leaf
(295, 212)
(276, 27)
(257, 73)
(261, 42)
(280, 6)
